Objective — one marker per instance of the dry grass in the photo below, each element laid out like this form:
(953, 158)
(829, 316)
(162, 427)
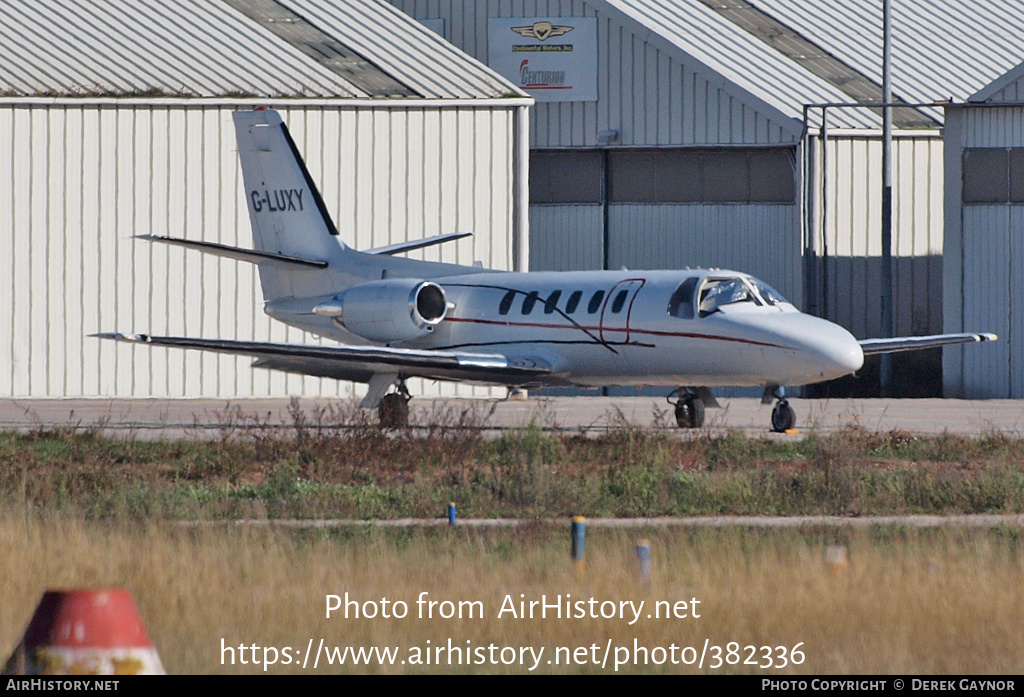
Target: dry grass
(909, 602)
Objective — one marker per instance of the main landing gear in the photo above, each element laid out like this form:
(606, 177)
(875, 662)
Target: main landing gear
(689, 407)
(783, 416)
(393, 410)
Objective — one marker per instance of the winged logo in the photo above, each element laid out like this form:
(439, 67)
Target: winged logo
(541, 30)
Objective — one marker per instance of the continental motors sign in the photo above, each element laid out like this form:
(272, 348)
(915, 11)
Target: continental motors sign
(552, 58)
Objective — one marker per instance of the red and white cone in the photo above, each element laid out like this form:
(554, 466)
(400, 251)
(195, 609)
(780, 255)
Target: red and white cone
(85, 632)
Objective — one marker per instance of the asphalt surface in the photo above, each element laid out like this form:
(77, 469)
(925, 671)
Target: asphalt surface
(205, 418)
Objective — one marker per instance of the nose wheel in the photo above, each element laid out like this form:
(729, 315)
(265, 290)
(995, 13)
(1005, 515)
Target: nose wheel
(783, 417)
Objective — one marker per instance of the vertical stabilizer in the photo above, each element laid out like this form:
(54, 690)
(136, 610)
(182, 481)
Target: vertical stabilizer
(287, 214)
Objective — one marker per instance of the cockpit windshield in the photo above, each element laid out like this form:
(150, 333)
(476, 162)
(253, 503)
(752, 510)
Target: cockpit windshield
(768, 294)
(718, 292)
(715, 293)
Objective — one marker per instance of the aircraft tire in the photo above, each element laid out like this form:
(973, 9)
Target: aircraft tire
(393, 411)
(690, 413)
(783, 417)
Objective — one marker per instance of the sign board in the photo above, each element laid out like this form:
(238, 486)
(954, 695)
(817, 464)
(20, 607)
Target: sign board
(552, 58)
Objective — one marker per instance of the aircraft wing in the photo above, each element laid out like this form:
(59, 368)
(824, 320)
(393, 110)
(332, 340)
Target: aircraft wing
(916, 343)
(360, 363)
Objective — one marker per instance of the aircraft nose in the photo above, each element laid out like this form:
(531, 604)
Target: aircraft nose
(835, 349)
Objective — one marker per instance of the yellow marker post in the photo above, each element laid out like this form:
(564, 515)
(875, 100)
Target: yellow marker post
(579, 534)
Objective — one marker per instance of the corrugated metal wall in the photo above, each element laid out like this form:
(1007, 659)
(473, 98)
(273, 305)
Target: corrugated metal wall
(566, 236)
(648, 97)
(848, 284)
(78, 179)
(983, 270)
(989, 272)
(755, 238)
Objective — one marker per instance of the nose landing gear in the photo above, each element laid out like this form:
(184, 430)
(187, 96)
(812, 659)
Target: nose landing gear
(783, 416)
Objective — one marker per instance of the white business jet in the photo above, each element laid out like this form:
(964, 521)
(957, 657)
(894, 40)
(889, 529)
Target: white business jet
(397, 318)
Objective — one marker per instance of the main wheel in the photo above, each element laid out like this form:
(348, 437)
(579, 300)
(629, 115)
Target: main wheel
(690, 412)
(783, 417)
(393, 411)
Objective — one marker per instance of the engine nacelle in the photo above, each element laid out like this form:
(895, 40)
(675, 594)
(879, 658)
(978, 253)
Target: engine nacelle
(398, 309)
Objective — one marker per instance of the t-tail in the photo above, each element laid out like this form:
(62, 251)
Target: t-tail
(288, 216)
(296, 245)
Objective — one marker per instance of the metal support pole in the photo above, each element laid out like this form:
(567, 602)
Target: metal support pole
(886, 291)
(521, 190)
(824, 212)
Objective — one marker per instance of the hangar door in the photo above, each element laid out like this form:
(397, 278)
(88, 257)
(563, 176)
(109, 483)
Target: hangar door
(658, 208)
(993, 249)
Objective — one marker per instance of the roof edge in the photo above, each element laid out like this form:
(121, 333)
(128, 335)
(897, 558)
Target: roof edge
(1001, 82)
(341, 102)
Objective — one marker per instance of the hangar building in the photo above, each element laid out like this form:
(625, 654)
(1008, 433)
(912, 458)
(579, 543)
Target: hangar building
(115, 120)
(688, 140)
(984, 273)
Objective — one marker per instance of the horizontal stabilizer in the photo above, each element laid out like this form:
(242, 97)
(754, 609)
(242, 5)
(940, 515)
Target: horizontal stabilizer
(417, 244)
(360, 363)
(222, 250)
(916, 343)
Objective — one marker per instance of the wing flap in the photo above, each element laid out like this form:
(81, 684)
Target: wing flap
(917, 343)
(359, 363)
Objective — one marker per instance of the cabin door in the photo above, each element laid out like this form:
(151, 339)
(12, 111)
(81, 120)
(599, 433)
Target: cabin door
(617, 311)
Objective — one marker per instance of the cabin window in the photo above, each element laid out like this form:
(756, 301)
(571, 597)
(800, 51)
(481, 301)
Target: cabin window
(595, 302)
(619, 301)
(506, 302)
(530, 301)
(681, 303)
(574, 301)
(552, 302)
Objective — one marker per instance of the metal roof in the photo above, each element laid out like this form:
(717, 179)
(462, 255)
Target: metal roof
(696, 32)
(363, 48)
(404, 48)
(940, 48)
(789, 53)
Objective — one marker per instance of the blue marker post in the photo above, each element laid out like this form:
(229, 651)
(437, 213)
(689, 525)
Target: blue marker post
(643, 560)
(579, 534)
(451, 513)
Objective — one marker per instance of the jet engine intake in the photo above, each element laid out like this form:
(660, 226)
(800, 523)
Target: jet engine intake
(387, 311)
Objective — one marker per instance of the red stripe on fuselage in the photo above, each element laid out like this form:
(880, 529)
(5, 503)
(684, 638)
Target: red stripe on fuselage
(630, 330)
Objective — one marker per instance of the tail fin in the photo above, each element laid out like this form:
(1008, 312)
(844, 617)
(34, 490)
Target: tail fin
(287, 214)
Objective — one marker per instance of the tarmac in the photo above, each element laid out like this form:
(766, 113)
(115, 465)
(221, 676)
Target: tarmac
(173, 419)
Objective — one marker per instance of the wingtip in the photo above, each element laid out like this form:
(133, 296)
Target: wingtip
(118, 336)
